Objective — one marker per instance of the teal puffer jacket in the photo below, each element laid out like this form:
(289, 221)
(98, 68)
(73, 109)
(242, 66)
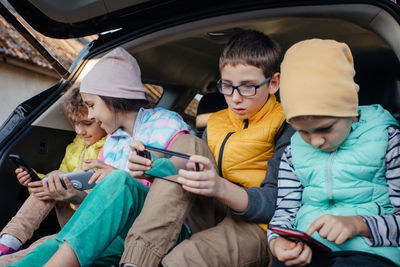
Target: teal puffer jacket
(349, 181)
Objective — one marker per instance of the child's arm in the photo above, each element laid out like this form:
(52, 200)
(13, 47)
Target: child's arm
(288, 204)
(244, 202)
(262, 200)
(102, 171)
(289, 195)
(385, 229)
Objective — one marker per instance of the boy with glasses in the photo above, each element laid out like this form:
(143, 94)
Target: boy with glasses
(227, 202)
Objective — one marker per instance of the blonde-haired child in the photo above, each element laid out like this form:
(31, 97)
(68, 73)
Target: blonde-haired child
(45, 196)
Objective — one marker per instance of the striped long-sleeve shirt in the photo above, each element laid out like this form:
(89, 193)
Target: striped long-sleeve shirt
(384, 229)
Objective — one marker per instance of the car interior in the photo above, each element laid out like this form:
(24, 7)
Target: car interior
(183, 60)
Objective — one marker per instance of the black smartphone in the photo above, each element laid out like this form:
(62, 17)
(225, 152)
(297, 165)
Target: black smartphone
(170, 154)
(20, 163)
(145, 154)
(296, 235)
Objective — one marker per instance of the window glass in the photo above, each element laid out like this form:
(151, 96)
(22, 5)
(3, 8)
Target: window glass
(154, 92)
(191, 109)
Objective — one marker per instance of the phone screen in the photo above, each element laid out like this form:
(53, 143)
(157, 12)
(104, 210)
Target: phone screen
(296, 235)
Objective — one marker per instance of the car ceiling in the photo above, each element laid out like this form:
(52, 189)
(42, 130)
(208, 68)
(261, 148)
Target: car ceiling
(73, 11)
(191, 60)
(186, 56)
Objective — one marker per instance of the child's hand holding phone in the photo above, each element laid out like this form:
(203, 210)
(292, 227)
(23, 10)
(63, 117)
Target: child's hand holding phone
(24, 172)
(148, 162)
(291, 253)
(23, 176)
(39, 184)
(139, 161)
(299, 236)
(53, 189)
(204, 181)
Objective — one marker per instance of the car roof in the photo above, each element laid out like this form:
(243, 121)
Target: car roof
(77, 18)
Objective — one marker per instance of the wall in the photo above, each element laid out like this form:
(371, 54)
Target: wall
(18, 84)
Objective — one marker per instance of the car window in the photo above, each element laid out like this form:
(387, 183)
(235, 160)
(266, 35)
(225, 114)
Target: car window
(191, 109)
(154, 92)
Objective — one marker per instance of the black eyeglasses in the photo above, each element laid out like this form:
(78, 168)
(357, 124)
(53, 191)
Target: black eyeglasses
(243, 89)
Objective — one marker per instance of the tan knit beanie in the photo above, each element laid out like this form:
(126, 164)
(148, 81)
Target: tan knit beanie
(317, 79)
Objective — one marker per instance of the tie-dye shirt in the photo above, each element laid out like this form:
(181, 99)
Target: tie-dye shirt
(155, 127)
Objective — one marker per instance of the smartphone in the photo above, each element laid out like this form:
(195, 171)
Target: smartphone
(180, 164)
(79, 179)
(145, 154)
(20, 163)
(296, 235)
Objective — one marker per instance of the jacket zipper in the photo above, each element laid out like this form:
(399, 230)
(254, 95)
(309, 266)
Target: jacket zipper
(81, 159)
(330, 179)
(221, 150)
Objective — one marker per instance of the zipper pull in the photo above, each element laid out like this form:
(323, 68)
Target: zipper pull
(246, 123)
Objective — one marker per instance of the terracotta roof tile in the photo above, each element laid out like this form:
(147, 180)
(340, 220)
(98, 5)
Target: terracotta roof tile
(12, 44)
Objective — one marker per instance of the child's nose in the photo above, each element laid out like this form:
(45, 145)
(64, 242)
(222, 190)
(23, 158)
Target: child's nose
(90, 115)
(236, 97)
(317, 140)
(80, 130)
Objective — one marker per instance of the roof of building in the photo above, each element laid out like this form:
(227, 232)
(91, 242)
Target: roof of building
(12, 44)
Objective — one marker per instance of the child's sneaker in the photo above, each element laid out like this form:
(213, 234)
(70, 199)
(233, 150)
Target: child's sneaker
(9, 244)
(4, 250)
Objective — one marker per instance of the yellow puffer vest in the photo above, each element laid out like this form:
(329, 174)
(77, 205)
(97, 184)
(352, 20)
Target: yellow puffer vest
(75, 154)
(77, 151)
(243, 147)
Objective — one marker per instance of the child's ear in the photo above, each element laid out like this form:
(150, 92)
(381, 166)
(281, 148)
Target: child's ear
(274, 83)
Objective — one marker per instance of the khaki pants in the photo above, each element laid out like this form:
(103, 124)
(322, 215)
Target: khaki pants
(28, 218)
(219, 237)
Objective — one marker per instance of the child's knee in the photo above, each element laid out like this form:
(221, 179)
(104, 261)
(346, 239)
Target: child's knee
(116, 178)
(121, 179)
